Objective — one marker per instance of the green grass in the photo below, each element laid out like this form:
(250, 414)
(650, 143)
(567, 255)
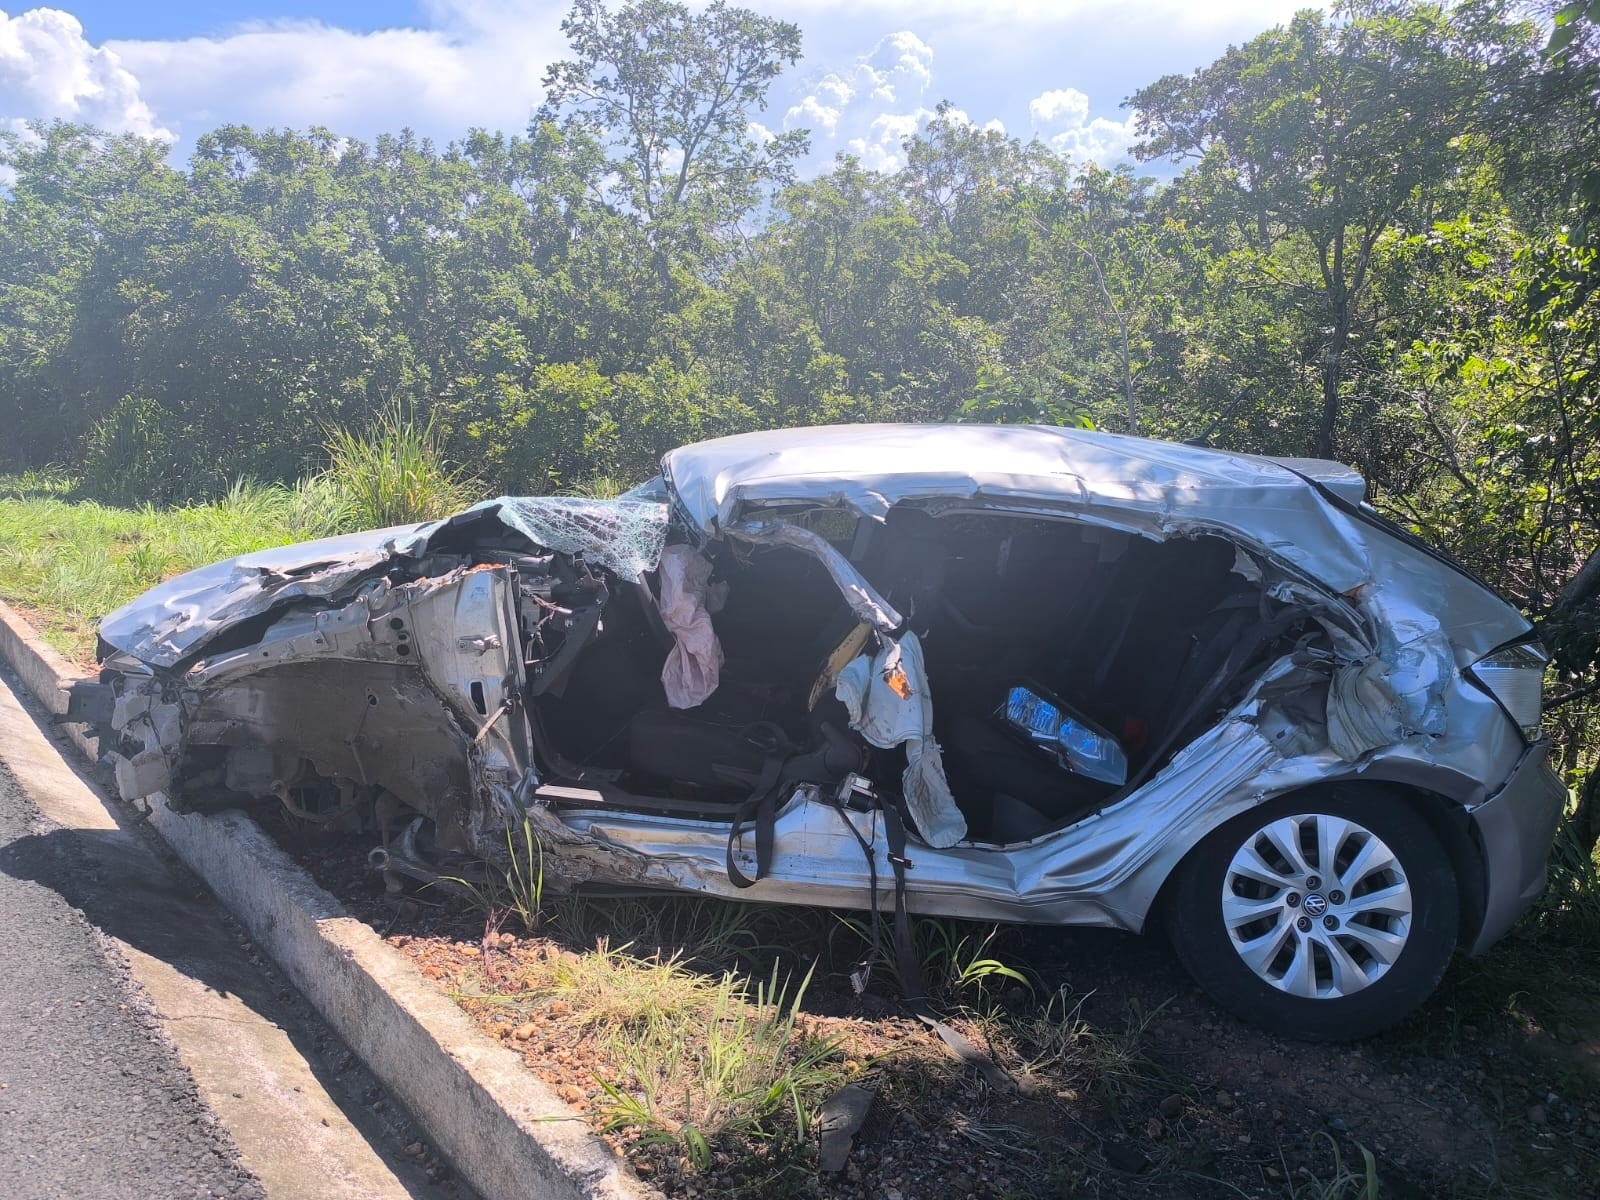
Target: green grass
(393, 474)
(735, 1065)
(695, 1060)
(67, 560)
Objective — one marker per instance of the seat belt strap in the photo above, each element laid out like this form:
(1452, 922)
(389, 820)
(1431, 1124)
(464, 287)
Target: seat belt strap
(762, 808)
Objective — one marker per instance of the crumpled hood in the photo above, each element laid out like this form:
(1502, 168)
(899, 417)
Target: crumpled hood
(176, 617)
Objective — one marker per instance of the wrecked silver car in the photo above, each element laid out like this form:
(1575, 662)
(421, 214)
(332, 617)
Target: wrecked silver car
(1010, 673)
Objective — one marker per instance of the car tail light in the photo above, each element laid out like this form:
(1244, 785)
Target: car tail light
(1515, 677)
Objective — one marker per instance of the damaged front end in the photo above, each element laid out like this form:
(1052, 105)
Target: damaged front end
(369, 679)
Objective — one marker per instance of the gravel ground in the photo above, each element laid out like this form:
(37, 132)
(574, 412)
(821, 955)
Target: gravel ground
(93, 1100)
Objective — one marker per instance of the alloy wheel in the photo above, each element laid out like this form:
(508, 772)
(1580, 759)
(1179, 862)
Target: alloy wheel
(1316, 905)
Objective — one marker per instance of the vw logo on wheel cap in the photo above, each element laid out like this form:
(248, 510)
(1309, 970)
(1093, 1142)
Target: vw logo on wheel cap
(1315, 905)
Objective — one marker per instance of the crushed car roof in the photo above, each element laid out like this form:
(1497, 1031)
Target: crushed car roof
(872, 467)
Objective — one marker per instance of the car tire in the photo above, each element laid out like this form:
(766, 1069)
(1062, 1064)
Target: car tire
(1275, 939)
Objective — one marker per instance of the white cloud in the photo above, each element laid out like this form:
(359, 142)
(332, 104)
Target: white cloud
(49, 70)
(483, 65)
(811, 113)
(1067, 105)
(879, 149)
(870, 107)
(901, 64)
(1062, 116)
(898, 70)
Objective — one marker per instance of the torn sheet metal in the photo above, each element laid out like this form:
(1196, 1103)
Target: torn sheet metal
(175, 619)
(1392, 695)
(694, 665)
(890, 704)
(860, 595)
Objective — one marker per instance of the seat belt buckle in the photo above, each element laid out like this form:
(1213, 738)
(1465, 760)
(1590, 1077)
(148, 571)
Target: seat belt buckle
(857, 793)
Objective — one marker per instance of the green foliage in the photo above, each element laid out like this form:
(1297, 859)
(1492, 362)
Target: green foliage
(1346, 1181)
(135, 454)
(393, 474)
(731, 1066)
(513, 887)
(670, 93)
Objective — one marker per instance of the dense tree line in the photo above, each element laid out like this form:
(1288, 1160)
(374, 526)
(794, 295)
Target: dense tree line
(1381, 247)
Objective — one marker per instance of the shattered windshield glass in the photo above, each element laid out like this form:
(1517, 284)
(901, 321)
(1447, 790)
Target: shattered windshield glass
(626, 536)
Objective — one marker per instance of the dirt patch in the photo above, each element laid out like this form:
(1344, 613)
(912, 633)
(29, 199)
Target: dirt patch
(1125, 1080)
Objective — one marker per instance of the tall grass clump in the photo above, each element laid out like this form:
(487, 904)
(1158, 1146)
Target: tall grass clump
(391, 474)
(734, 1066)
(141, 452)
(1570, 907)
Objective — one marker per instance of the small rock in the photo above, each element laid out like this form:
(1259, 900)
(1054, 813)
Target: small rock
(1224, 1100)
(558, 1008)
(415, 1150)
(1273, 1173)
(429, 971)
(1154, 1129)
(522, 1032)
(1536, 1114)
(1172, 1105)
(1337, 1125)
(569, 1093)
(891, 1193)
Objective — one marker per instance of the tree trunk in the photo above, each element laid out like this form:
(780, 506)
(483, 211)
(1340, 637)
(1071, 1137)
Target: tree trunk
(1585, 819)
(1332, 364)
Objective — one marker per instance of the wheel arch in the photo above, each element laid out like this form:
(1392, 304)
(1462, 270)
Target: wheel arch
(1446, 819)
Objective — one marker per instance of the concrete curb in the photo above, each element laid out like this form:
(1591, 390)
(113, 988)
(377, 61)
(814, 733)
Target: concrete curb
(503, 1129)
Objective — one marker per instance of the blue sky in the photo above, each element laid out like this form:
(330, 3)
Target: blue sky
(873, 69)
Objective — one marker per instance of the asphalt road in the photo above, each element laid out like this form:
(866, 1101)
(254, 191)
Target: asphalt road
(93, 1100)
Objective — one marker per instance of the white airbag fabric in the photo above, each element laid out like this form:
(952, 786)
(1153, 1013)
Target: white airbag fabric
(887, 719)
(694, 666)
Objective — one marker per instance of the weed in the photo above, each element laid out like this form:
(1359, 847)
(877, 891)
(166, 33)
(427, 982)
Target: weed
(393, 474)
(729, 1067)
(49, 482)
(1346, 1182)
(703, 931)
(1061, 1041)
(1571, 904)
(517, 887)
(955, 957)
